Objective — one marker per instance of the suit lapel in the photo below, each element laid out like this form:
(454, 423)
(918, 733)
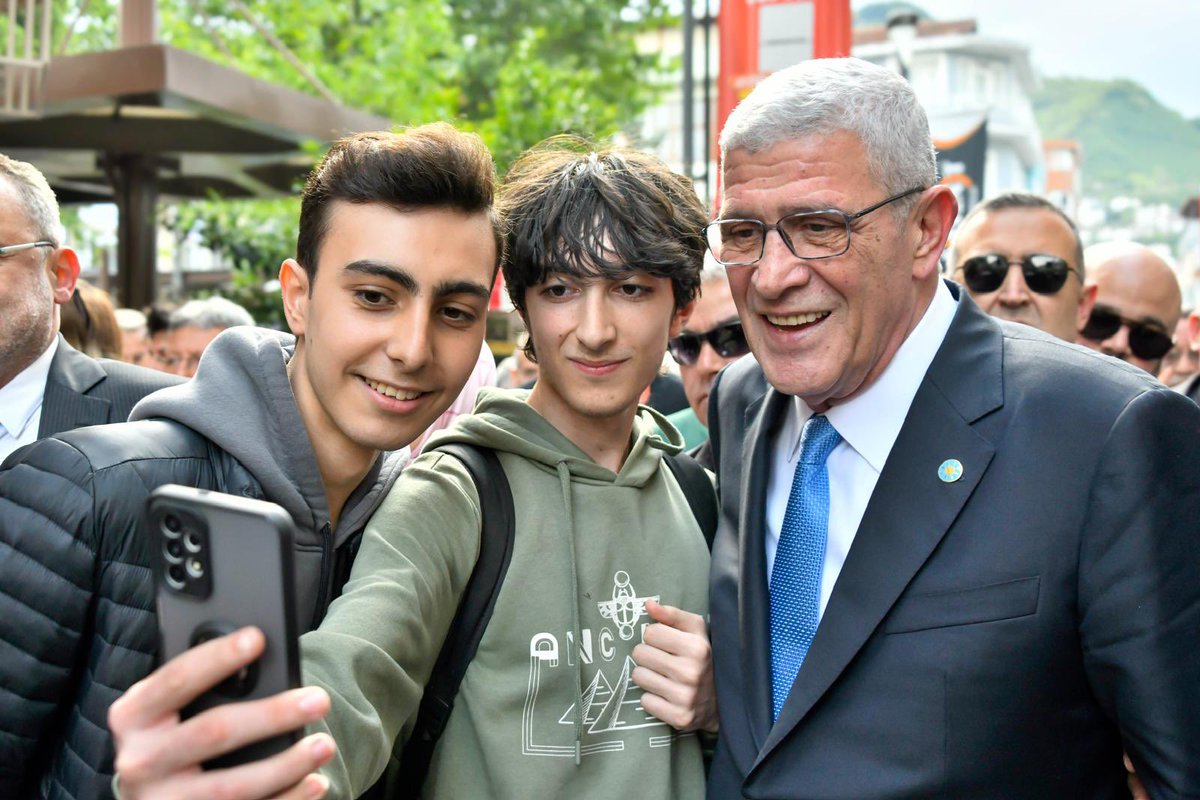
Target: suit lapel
(753, 603)
(65, 405)
(911, 508)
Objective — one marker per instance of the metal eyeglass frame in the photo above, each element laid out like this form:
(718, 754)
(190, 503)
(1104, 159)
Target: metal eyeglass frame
(8, 250)
(846, 220)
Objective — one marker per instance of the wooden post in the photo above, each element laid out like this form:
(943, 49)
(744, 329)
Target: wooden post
(137, 23)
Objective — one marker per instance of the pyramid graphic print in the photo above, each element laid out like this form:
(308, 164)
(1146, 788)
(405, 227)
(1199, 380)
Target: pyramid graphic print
(609, 709)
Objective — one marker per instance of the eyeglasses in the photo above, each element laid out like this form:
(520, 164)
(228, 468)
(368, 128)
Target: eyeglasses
(1043, 274)
(9, 250)
(728, 340)
(1147, 340)
(809, 235)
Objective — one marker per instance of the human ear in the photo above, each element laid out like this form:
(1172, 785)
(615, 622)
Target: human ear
(1087, 299)
(934, 216)
(294, 286)
(64, 272)
(680, 318)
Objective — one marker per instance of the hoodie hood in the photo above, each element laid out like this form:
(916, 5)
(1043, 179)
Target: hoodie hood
(504, 421)
(242, 401)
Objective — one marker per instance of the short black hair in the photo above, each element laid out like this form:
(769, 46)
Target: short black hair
(1029, 202)
(430, 166)
(579, 210)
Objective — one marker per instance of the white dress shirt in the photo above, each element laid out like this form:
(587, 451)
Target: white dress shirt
(869, 425)
(21, 403)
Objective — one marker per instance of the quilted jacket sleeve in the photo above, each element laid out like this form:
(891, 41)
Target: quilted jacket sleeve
(48, 568)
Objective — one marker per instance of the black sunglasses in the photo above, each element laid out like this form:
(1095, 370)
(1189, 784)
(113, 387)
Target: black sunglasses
(729, 340)
(1043, 274)
(1147, 341)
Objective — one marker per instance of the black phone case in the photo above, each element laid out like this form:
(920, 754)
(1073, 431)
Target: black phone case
(248, 544)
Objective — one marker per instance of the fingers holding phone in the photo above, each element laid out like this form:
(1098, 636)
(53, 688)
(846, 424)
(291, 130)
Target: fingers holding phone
(160, 755)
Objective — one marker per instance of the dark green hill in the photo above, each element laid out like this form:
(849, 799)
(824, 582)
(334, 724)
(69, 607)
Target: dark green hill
(1132, 144)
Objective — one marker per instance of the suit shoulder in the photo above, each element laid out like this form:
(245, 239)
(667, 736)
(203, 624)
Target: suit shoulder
(744, 377)
(1036, 363)
(132, 378)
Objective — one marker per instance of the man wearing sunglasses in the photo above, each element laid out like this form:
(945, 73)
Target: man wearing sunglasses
(956, 555)
(711, 338)
(1138, 302)
(47, 386)
(1021, 259)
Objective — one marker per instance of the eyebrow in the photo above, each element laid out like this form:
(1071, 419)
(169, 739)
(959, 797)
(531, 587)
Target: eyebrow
(402, 278)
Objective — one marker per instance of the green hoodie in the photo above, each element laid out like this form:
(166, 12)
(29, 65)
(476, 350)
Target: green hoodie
(547, 708)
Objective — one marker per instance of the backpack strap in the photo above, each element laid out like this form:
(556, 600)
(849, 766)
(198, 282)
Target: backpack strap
(471, 619)
(698, 489)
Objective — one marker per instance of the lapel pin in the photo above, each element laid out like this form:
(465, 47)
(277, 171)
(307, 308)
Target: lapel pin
(950, 470)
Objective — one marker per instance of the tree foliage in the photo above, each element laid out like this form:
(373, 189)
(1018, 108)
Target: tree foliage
(515, 71)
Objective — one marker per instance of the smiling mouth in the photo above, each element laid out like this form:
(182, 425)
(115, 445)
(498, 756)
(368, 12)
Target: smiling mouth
(795, 320)
(393, 392)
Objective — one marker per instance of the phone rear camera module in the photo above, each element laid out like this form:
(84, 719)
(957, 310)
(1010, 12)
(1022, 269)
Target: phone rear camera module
(176, 576)
(172, 524)
(192, 541)
(195, 567)
(173, 549)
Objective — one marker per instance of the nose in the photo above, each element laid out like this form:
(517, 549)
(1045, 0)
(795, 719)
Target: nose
(709, 362)
(778, 270)
(595, 329)
(408, 341)
(1117, 344)
(1014, 292)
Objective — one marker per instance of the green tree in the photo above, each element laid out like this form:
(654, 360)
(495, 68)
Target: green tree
(515, 71)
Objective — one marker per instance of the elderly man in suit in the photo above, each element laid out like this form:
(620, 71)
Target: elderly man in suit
(46, 386)
(957, 556)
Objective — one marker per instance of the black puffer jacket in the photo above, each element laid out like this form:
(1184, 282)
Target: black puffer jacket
(77, 623)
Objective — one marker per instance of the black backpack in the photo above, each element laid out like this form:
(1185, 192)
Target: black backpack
(405, 780)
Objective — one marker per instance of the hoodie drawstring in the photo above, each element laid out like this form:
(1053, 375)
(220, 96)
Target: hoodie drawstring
(564, 480)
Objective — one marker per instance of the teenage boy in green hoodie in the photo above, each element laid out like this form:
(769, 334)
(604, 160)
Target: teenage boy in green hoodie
(595, 664)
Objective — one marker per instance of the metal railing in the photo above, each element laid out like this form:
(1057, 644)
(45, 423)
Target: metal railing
(26, 53)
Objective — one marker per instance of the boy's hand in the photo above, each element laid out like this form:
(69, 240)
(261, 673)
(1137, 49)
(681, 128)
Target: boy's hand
(159, 756)
(674, 667)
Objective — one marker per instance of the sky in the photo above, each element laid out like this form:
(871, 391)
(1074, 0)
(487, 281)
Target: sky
(1154, 42)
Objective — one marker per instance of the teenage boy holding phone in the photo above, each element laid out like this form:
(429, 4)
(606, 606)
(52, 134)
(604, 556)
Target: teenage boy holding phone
(595, 664)
(387, 297)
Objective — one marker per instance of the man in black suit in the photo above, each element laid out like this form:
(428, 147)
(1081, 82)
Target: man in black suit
(957, 557)
(46, 386)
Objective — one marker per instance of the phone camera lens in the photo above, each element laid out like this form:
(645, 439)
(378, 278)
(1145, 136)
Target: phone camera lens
(191, 540)
(174, 550)
(195, 567)
(172, 523)
(176, 576)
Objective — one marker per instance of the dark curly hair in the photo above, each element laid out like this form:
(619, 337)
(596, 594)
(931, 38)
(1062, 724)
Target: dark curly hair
(591, 212)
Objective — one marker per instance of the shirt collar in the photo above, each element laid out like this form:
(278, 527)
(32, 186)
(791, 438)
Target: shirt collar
(22, 396)
(871, 421)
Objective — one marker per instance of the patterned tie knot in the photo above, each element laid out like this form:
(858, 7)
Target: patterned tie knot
(818, 440)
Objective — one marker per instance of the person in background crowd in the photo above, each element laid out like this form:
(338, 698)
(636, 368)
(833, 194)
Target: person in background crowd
(957, 556)
(158, 324)
(711, 338)
(194, 325)
(1021, 259)
(517, 371)
(135, 338)
(46, 385)
(1182, 361)
(90, 324)
(1191, 386)
(606, 256)
(398, 246)
(1138, 302)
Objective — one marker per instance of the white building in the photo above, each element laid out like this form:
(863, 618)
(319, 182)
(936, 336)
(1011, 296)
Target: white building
(963, 78)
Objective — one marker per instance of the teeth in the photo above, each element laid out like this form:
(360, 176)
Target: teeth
(796, 319)
(391, 391)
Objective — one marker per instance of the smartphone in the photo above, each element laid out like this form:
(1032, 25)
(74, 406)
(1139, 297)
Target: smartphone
(223, 562)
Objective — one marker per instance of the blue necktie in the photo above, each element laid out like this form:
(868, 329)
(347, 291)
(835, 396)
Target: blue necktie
(799, 559)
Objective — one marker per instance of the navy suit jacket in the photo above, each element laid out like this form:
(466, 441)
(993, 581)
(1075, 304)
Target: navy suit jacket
(81, 390)
(1005, 635)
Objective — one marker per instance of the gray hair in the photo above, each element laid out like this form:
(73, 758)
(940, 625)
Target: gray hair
(712, 270)
(827, 95)
(37, 197)
(211, 312)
